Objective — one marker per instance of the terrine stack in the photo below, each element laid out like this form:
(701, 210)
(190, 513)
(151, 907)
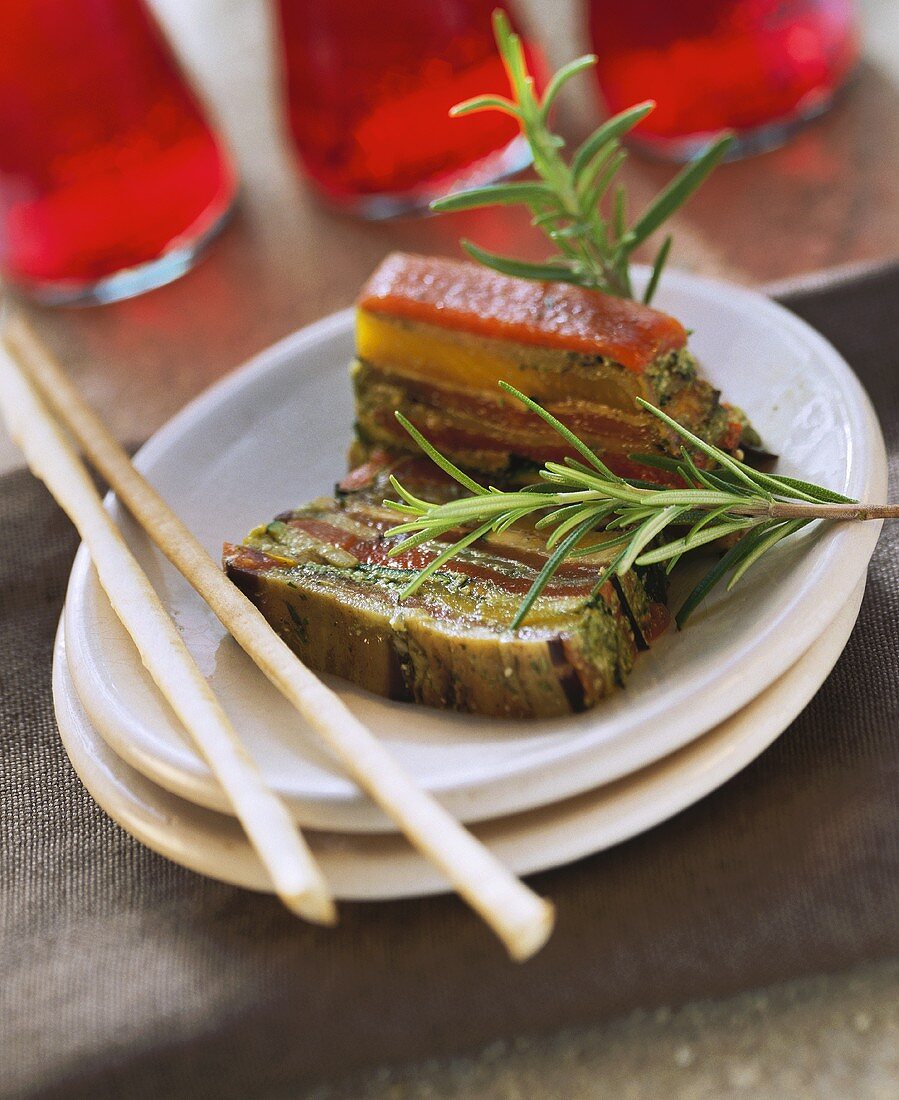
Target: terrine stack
(323, 577)
(434, 338)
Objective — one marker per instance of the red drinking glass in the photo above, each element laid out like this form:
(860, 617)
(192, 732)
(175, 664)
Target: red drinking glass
(111, 180)
(369, 87)
(758, 67)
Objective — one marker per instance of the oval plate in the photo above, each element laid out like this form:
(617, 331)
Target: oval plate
(274, 434)
(378, 867)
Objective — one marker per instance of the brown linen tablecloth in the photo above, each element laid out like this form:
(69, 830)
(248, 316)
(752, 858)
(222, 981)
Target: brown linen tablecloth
(123, 975)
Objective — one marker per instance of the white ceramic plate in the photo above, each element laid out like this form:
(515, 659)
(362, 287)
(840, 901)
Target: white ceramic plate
(274, 434)
(380, 866)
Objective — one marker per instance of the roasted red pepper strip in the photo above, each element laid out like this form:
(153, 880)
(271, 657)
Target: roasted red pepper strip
(455, 294)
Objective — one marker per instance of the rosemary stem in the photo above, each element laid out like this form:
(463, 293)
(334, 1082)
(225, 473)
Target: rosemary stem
(730, 500)
(786, 510)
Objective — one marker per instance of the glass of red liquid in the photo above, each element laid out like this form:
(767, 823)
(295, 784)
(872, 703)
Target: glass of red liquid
(111, 180)
(758, 67)
(369, 86)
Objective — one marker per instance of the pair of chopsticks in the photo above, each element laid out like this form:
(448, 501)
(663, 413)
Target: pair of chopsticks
(38, 402)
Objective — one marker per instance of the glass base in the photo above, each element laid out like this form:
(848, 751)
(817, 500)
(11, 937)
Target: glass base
(505, 162)
(130, 281)
(749, 143)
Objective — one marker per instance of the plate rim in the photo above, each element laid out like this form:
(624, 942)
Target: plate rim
(345, 806)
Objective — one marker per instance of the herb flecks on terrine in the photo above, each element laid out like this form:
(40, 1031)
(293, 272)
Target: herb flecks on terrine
(323, 577)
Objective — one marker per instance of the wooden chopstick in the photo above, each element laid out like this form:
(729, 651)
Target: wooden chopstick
(521, 919)
(293, 870)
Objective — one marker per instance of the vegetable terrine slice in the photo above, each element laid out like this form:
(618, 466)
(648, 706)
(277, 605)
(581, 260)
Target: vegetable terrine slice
(322, 577)
(435, 336)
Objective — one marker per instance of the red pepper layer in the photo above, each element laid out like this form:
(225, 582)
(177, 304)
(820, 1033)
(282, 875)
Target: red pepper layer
(572, 579)
(454, 440)
(458, 295)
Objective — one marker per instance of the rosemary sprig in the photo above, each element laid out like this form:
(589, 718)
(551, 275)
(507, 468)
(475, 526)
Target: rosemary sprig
(566, 202)
(574, 498)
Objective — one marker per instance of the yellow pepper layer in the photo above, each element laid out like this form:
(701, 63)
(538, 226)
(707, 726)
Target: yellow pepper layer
(468, 361)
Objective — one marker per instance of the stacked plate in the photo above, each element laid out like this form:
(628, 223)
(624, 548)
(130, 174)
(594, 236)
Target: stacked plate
(698, 708)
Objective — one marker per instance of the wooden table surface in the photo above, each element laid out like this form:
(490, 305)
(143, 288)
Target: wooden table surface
(829, 197)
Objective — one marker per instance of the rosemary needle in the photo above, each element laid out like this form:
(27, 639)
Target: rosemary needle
(566, 201)
(581, 208)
